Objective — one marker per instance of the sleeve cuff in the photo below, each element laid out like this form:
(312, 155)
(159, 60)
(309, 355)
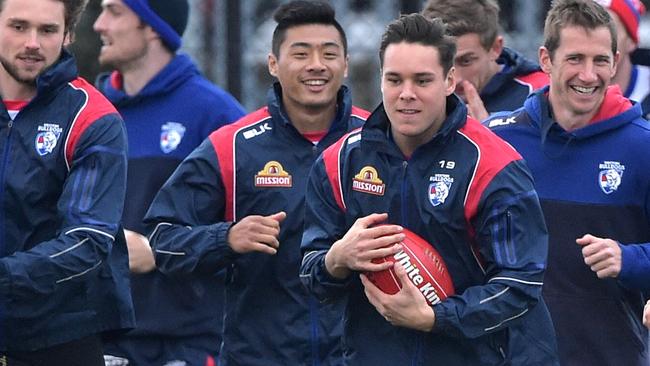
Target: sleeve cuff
(441, 321)
(635, 266)
(221, 237)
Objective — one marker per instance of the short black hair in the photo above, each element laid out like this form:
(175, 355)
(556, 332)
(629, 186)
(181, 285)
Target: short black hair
(300, 12)
(416, 28)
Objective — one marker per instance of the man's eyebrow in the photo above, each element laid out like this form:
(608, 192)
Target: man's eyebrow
(309, 45)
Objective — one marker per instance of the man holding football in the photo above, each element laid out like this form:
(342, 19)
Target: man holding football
(488, 229)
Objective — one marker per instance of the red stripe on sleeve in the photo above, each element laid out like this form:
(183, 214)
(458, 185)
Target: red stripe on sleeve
(223, 142)
(332, 160)
(493, 155)
(95, 107)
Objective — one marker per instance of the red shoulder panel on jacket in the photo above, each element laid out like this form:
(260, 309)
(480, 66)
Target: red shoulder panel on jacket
(223, 142)
(493, 155)
(534, 80)
(332, 161)
(95, 106)
(361, 113)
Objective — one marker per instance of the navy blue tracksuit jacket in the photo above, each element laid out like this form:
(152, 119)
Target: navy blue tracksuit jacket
(63, 258)
(594, 179)
(172, 115)
(468, 194)
(255, 166)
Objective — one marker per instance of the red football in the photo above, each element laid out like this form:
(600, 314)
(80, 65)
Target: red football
(424, 267)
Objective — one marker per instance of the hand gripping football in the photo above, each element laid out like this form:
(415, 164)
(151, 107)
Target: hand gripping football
(424, 267)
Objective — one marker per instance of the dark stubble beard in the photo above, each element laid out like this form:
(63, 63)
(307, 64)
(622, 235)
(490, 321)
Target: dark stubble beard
(13, 71)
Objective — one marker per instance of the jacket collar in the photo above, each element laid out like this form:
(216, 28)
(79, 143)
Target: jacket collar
(514, 64)
(179, 69)
(617, 112)
(60, 73)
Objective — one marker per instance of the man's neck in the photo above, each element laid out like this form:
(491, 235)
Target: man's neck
(137, 74)
(310, 120)
(567, 120)
(12, 89)
(408, 144)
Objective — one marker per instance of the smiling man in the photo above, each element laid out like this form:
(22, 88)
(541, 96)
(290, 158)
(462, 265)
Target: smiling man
(488, 228)
(237, 201)
(587, 148)
(63, 259)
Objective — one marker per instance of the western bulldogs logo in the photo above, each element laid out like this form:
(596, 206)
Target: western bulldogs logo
(273, 175)
(47, 138)
(610, 176)
(171, 135)
(439, 188)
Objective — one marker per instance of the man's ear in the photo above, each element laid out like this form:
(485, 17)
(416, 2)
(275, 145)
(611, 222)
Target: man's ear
(617, 58)
(450, 81)
(272, 64)
(67, 39)
(496, 48)
(545, 61)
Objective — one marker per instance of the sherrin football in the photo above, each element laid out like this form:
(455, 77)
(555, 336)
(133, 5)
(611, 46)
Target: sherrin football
(424, 267)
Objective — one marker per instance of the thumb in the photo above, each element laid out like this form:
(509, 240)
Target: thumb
(279, 217)
(403, 278)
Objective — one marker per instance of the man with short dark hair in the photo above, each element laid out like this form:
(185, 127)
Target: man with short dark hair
(169, 108)
(237, 201)
(63, 259)
(490, 77)
(587, 147)
(488, 228)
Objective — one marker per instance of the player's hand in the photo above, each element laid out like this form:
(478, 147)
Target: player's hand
(363, 243)
(256, 234)
(141, 259)
(603, 256)
(475, 106)
(407, 308)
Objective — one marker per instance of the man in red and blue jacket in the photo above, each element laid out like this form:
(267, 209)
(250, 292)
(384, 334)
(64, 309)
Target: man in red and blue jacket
(237, 201)
(63, 258)
(419, 162)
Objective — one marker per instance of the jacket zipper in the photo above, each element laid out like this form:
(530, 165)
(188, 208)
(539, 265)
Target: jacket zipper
(315, 334)
(3, 169)
(403, 194)
(415, 360)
